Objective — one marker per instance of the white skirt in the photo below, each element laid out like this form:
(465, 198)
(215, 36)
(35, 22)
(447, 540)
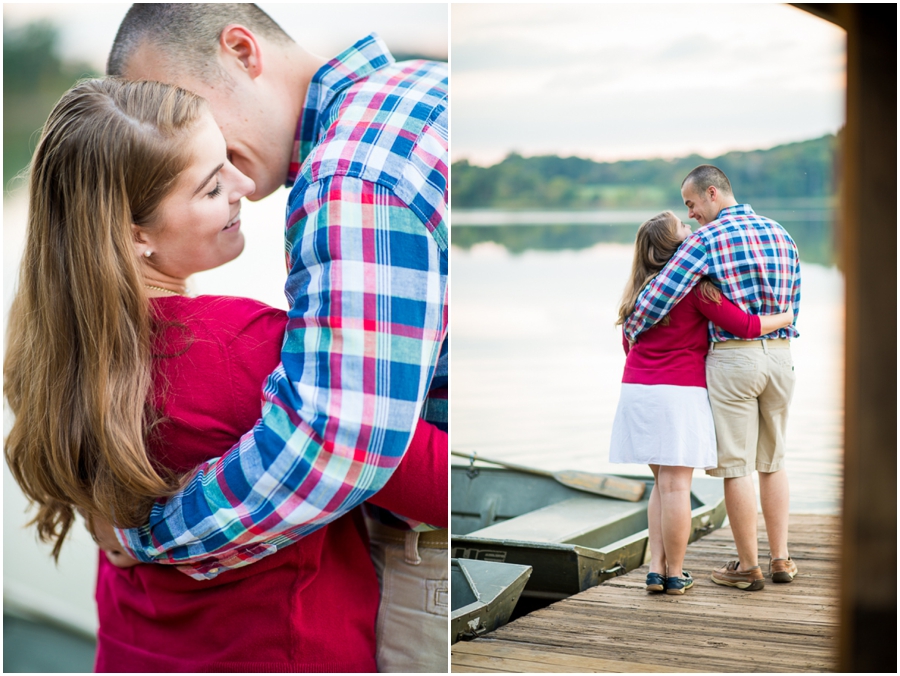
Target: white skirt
(664, 425)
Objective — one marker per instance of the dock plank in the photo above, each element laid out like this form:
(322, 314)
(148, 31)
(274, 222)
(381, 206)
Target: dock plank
(543, 661)
(609, 628)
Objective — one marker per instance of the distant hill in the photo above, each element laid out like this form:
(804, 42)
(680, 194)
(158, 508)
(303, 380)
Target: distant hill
(794, 170)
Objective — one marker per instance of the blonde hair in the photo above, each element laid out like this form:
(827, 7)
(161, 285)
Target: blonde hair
(77, 369)
(656, 242)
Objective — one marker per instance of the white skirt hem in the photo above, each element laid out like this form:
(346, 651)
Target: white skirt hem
(664, 425)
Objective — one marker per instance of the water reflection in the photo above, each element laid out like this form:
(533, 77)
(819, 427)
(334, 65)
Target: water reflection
(811, 225)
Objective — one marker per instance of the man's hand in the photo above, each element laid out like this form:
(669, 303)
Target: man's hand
(101, 531)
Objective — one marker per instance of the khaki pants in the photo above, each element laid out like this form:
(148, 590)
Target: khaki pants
(750, 387)
(413, 622)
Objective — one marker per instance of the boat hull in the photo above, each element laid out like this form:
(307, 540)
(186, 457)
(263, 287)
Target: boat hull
(483, 595)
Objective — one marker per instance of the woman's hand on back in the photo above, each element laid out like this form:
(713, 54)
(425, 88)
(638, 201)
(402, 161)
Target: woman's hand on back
(770, 323)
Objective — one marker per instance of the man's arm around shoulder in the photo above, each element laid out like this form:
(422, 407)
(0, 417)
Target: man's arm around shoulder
(672, 284)
(367, 288)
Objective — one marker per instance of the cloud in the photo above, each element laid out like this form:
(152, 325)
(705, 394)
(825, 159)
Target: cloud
(609, 81)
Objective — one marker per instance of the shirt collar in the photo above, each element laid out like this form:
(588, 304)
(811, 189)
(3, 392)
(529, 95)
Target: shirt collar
(350, 66)
(736, 210)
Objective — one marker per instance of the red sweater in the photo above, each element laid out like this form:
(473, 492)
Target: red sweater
(676, 354)
(311, 606)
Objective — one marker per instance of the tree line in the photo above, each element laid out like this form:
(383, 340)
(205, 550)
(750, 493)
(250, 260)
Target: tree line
(805, 169)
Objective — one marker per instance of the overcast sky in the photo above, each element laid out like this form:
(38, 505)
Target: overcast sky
(88, 29)
(615, 81)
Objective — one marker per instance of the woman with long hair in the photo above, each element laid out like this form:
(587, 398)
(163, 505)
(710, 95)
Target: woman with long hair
(664, 418)
(121, 383)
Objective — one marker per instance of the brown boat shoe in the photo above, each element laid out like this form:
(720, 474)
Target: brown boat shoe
(730, 576)
(782, 570)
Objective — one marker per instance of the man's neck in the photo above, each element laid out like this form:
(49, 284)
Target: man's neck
(725, 204)
(299, 67)
(294, 69)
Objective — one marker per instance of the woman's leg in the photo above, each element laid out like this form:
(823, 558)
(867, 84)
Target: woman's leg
(654, 524)
(674, 485)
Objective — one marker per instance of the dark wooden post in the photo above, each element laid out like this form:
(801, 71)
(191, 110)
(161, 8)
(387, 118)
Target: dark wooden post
(868, 637)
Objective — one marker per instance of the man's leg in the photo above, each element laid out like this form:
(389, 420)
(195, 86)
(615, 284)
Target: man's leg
(740, 503)
(734, 379)
(774, 493)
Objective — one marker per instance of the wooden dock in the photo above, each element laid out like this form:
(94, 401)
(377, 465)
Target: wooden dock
(619, 628)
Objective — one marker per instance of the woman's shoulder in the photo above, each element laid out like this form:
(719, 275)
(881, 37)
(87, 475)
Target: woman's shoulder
(221, 317)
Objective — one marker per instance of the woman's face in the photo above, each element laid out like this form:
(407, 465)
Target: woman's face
(683, 231)
(198, 224)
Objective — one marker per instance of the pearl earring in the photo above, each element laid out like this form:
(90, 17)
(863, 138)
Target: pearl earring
(148, 253)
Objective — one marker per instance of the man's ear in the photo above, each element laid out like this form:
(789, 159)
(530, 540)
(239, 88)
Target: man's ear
(712, 193)
(239, 46)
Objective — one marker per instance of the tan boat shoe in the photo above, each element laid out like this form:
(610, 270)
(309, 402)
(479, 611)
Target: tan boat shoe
(782, 570)
(730, 576)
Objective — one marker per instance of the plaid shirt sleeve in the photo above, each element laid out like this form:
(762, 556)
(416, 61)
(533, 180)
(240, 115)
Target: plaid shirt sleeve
(681, 273)
(367, 287)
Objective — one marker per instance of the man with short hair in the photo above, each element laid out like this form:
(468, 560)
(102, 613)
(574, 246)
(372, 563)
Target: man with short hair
(362, 140)
(755, 263)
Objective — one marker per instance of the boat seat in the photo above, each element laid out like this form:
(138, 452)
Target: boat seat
(564, 522)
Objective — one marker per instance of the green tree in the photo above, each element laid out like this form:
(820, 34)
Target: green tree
(34, 77)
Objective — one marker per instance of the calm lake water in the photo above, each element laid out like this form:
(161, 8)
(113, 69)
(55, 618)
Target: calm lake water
(812, 223)
(537, 364)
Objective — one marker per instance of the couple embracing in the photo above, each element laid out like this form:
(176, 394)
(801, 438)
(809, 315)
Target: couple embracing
(233, 441)
(707, 321)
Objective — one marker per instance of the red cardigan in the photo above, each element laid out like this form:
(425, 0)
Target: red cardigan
(676, 354)
(311, 606)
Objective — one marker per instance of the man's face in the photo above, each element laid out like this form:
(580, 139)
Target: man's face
(250, 119)
(699, 205)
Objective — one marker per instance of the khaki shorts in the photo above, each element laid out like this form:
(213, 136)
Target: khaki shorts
(750, 387)
(412, 625)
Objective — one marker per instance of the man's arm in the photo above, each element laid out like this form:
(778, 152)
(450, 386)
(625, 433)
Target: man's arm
(417, 490)
(367, 288)
(681, 273)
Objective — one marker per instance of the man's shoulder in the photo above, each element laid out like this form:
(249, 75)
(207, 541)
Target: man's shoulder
(421, 74)
(391, 109)
(743, 220)
(376, 124)
(390, 129)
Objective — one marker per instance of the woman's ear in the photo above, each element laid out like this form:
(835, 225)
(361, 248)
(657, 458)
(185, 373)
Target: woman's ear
(142, 246)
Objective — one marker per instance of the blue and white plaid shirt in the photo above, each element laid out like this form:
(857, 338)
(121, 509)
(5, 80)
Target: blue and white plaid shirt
(752, 259)
(365, 352)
